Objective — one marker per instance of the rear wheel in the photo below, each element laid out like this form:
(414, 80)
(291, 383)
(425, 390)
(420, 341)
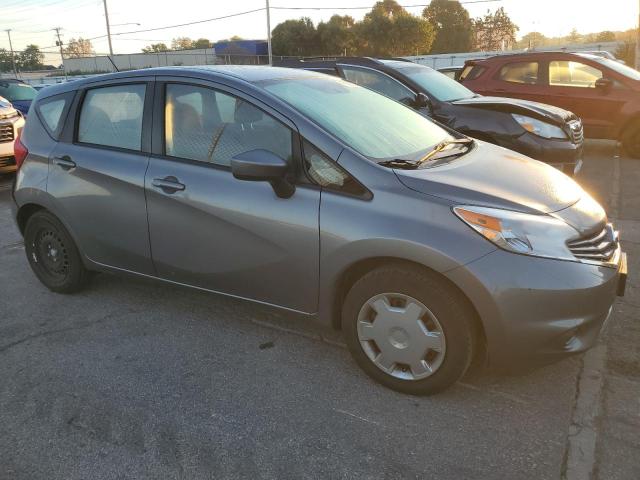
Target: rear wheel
(408, 329)
(631, 140)
(53, 255)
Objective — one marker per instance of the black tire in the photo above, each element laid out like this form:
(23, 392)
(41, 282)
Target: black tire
(452, 310)
(631, 140)
(53, 255)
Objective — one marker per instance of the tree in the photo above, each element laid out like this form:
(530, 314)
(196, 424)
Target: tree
(606, 36)
(155, 48)
(201, 43)
(626, 52)
(181, 43)
(30, 58)
(532, 40)
(574, 36)
(494, 31)
(79, 48)
(389, 30)
(295, 37)
(6, 65)
(452, 26)
(337, 36)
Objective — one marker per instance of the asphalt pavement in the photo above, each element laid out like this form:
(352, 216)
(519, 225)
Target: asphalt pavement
(136, 379)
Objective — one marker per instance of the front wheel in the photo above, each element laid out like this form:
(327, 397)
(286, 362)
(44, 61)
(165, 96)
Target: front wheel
(408, 329)
(53, 255)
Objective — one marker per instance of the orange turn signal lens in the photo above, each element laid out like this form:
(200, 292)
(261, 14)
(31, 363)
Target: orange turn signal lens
(479, 219)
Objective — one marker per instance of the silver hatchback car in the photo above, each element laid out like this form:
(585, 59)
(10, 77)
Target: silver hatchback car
(301, 191)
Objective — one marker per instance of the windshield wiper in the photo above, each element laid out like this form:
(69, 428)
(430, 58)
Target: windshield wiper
(404, 164)
(399, 163)
(441, 147)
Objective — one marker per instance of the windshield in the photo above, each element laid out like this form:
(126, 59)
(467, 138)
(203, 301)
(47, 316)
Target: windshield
(621, 68)
(15, 92)
(436, 84)
(372, 124)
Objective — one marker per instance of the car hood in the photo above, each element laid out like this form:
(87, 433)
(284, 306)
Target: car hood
(493, 176)
(22, 106)
(524, 107)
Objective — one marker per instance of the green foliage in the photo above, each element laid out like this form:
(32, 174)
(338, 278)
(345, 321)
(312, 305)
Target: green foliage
(494, 31)
(295, 37)
(30, 58)
(388, 30)
(338, 36)
(532, 40)
(5, 60)
(155, 48)
(202, 43)
(452, 26)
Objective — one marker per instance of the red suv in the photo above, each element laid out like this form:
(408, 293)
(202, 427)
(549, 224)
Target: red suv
(603, 92)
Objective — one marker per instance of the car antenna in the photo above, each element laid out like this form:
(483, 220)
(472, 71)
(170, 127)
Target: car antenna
(113, 63)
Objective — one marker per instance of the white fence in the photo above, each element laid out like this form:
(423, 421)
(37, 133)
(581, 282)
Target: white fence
(200, 56)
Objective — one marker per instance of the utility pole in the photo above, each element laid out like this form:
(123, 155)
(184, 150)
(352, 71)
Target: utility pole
(269, 34)
(106, 16)
(13, 59)
(59, 44)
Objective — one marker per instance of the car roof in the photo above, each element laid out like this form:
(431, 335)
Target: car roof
(247, 73)
(536, 54)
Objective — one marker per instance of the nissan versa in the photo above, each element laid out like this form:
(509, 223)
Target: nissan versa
(302, 191)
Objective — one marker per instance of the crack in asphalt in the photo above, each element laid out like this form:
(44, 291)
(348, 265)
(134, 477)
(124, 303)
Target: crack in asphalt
(33, 336)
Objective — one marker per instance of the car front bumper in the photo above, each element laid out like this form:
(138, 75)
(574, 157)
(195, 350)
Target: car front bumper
(536, 310)
(565, 155)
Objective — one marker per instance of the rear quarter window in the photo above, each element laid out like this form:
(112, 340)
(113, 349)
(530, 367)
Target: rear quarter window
(471, 72)
(519, 72)
(52, 112)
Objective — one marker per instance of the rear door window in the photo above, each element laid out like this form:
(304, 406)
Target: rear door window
(520, 72)
(112, 116)
(52, 112)
(380, 83)
(210, 126)
(564, 73)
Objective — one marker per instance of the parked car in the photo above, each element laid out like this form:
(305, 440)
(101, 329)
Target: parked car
(305, 192)
(41, 86)
(452, 72)
(604, 93)
(11, 122)
(20, 94)
(539, 131)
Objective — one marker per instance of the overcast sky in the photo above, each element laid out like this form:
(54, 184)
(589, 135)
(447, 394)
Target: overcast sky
(31, 20)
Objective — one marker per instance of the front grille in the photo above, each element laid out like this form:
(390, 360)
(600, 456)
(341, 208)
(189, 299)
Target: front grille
(6, 133)
(577, 132)
(599, 247)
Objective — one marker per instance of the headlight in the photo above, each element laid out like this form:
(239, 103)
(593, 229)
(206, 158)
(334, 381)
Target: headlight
(537, 235)
(538, 127)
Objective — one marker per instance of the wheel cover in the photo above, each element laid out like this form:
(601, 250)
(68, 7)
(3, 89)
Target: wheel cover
(50, 254)
(401, 336)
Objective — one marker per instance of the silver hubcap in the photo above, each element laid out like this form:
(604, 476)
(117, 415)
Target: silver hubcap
(401, 336)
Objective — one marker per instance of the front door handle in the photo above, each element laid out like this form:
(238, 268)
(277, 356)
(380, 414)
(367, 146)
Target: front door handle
(168, 184)
(64, 162)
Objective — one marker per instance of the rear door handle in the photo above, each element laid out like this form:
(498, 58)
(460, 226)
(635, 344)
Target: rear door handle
(64, 162)
(168, 184)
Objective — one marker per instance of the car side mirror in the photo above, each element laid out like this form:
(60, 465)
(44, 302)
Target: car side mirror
(604, 83)
(263, 166)
(422, 101)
